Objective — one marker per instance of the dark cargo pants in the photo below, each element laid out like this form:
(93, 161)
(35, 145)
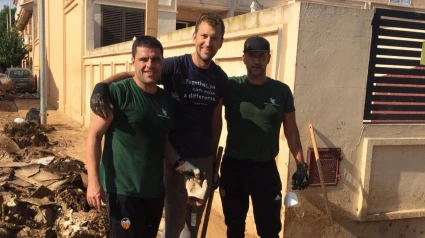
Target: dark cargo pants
(260, 180)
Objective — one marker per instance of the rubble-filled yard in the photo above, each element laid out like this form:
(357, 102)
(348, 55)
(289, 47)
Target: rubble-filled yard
(43, 190)
(41, 187)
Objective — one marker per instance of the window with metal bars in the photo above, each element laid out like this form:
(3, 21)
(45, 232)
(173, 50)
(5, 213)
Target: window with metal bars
(395, 91)
(401, 2)
(121, 24)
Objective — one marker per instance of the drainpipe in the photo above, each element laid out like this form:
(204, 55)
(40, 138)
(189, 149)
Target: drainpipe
(43, 102)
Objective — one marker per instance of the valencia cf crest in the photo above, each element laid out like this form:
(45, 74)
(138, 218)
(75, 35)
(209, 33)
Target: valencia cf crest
(125, 223)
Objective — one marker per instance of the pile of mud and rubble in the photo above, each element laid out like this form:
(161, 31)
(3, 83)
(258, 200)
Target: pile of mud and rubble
(43, 193)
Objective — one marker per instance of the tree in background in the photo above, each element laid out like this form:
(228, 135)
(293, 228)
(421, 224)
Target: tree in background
(4, 13)
(12, 49)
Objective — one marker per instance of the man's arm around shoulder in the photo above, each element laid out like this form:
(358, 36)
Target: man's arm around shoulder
(99, 99)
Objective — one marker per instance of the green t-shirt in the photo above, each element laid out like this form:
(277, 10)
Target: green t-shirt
(133, 154)
(254, 115)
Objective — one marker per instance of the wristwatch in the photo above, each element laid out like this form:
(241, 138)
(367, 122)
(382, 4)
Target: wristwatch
(179, 162)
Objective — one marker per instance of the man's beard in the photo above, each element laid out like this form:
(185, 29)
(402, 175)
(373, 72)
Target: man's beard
(258, 72)
(208, 60)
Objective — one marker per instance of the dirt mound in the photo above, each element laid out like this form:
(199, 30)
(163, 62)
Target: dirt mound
(27, 133)
(42, 192)
(74, 198)
(60, 211)
(66, 166)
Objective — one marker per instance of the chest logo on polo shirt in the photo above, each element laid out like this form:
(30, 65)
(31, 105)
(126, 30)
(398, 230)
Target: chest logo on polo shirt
(164, 114)
(272, 102)
(125, 223)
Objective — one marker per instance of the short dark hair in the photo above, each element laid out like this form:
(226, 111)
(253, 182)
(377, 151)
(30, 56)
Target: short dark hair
(213, 20)
(148, 42)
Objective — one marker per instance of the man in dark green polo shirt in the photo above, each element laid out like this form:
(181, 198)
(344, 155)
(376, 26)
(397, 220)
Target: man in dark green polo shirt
(256, 107)
(131, 168)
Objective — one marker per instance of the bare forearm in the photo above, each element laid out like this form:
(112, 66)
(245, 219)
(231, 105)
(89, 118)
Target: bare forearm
(93, 153)
(295, 146)
(118, 77)
(217, 124)
(216, 133)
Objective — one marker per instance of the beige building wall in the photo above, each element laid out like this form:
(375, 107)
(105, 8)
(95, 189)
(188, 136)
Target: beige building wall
(55, 52)
(382, 164)
(416, 5)
(189, 10)
(73, 55)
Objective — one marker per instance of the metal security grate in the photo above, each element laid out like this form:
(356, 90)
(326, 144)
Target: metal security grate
(329, 159)
(395, 90)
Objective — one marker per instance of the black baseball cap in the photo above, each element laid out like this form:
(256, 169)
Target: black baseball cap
(256, 43)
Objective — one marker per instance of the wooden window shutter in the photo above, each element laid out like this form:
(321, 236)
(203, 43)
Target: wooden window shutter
(134, 24)
(121, 24)
(112, 25)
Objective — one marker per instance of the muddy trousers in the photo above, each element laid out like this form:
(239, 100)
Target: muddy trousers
(141, 216)
(177, 212)
(260, 180)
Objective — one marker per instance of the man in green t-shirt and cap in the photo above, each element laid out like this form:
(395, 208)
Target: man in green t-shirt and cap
(255, 108)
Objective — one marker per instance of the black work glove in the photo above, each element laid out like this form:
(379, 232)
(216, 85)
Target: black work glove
(300, 177)
(99, 100)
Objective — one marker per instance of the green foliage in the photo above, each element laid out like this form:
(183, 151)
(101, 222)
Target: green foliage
(11, 43)
(12, 49)
(4, 13)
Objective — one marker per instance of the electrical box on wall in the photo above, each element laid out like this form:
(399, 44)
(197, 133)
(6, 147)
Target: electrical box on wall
(329, 159)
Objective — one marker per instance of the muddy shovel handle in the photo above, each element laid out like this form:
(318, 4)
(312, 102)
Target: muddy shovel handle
(322, 180)
(217, 162)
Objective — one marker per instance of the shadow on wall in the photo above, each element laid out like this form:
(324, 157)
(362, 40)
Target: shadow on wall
(53, 92)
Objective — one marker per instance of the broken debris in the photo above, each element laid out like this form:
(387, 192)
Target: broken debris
(27, 133)
(8, 145)
(42, 193)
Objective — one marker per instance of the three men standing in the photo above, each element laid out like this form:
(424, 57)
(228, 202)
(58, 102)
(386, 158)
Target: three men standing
(256, 107)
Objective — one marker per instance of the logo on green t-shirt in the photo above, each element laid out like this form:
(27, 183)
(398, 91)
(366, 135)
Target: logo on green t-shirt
(272, 102)
(164, 114)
